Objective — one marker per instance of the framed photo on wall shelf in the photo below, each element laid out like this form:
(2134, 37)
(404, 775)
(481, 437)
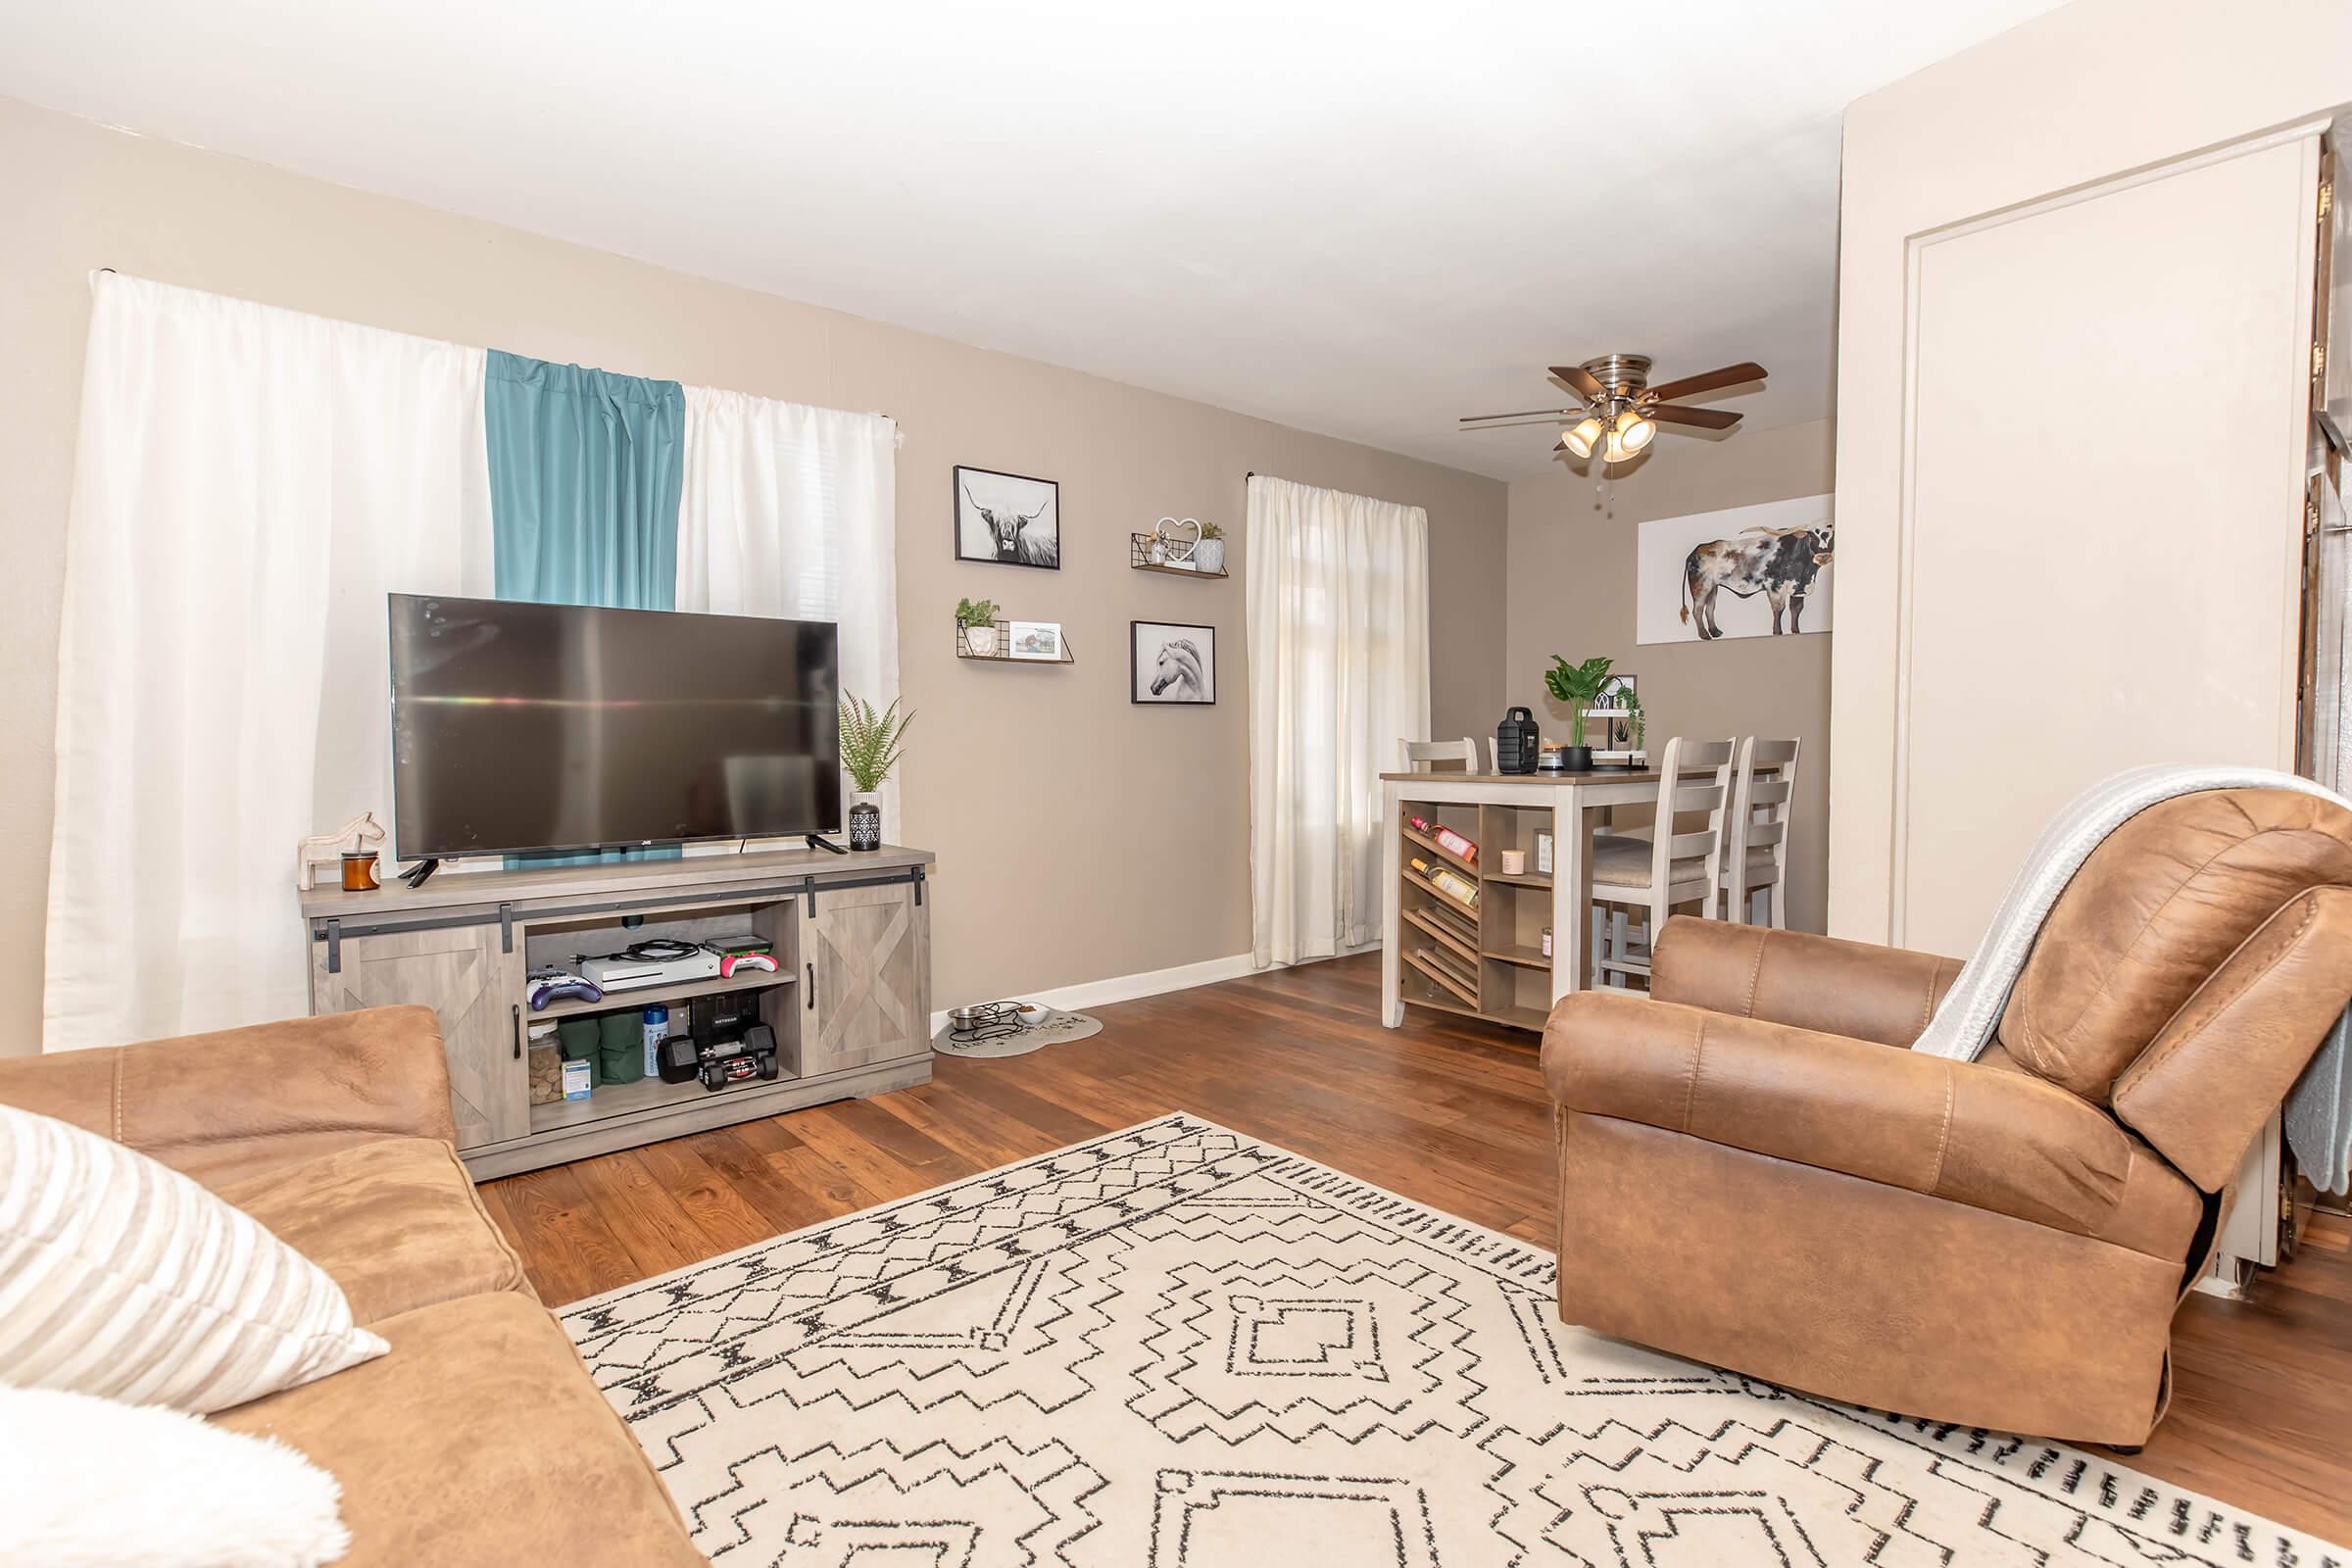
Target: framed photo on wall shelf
(1008, 519)
(1616, 697)
(1170, 663)
(1035, 639)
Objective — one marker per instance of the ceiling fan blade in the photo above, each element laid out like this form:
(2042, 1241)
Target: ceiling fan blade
(1708, 419)
(1523, 413)
(1551, 420)
(1580, 378)
(1712, 380)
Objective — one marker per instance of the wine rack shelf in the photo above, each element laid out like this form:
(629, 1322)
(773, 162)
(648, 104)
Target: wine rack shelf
(1482, 957)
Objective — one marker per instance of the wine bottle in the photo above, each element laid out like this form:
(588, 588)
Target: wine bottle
(1462, 892)
(1452, 843)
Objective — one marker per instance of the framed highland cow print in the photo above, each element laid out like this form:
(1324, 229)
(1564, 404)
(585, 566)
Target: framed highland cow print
(1009, 518)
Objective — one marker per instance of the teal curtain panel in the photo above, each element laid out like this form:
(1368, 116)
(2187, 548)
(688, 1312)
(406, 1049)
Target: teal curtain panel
(585, 472)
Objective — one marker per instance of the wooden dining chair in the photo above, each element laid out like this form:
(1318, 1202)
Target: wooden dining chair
(1421, 757)
(1755, 850)
(1649, 878)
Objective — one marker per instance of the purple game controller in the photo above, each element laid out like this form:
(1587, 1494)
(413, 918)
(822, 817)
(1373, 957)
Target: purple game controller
(561, 985)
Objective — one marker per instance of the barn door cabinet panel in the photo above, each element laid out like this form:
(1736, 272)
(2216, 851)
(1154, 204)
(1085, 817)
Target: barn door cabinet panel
(849, 1005)
(473, 987)
(867, 977)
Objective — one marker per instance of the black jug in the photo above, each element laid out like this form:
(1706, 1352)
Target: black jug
(1516, 742)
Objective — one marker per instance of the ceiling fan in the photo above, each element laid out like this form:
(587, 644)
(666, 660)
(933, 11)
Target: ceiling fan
(1620, 411)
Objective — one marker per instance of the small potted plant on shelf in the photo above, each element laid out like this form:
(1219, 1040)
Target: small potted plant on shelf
(1577, 686)
(1636, 728)
(1209, 553)
(978, 622)
(871, 744)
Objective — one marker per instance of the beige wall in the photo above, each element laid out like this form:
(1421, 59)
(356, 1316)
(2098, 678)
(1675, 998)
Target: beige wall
(1080, 838)
(1572, 593)
(2024, 125)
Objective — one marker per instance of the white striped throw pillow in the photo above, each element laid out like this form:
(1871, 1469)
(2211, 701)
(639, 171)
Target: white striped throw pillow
(121, 1277)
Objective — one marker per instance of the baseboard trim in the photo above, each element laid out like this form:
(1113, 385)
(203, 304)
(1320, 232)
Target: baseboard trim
(1128, 987)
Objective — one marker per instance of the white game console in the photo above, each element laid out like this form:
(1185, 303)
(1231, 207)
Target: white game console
(622, 971)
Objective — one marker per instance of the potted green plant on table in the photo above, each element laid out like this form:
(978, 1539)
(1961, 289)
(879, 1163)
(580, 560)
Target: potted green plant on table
(978, 622)
(871, 745)
(1578, 687)
(1209, 553)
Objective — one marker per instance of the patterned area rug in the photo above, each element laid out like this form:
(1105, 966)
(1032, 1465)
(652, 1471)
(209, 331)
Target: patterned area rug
(1177, 1348)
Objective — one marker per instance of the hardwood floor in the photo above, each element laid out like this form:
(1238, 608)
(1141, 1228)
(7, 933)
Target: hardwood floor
(1447, 1111)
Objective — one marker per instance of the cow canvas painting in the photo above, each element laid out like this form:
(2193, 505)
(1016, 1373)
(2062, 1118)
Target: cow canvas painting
(1172, 664)
(1009, 518)
(1750, 571)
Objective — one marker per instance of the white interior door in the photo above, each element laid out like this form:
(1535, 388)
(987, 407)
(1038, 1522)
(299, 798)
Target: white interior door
(2100, 548)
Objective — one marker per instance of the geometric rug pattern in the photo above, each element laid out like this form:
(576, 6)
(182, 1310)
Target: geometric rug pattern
(1177, 1348)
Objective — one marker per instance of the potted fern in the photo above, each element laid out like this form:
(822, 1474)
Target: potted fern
(871, 744)
(1578, 687)
(979, 623)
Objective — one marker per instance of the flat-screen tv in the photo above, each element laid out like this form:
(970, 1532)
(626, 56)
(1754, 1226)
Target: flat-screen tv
(553, 727)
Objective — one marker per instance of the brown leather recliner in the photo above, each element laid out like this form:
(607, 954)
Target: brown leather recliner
(1756, 1173)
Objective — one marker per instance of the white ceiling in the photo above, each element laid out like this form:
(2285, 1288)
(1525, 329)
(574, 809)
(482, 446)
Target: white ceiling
(1362, 218)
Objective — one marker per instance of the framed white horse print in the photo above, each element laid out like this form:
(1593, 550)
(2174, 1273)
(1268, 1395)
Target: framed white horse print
(1172, 663)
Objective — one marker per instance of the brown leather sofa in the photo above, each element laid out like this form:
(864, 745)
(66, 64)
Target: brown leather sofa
(480, 1437)
(1756, 1173)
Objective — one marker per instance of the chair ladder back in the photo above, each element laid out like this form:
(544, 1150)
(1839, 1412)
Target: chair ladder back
(1767, 816)
(1691, 853)
(1760, 821)
(1418, 756)
(1735, 825)
(1677, 798)
(1707, 797)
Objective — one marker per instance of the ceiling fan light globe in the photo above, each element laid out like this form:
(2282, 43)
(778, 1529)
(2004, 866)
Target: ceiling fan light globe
(1613, 450)
(1580, 437)
(1632, 431)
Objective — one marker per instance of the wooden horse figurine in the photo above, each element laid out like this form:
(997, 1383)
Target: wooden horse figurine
(358, 836)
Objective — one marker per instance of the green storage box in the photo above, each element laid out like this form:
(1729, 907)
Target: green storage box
(620, 1046)
(578, 1037)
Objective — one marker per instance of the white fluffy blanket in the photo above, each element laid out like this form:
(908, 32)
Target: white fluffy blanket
(2318, 1113)
(90, 1483)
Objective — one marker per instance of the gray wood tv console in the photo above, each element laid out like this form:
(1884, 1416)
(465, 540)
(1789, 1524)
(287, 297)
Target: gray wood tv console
(850, 999)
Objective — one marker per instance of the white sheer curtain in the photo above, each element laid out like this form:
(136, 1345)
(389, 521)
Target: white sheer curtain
(1338, 672)
(791, 511)
(250, 482)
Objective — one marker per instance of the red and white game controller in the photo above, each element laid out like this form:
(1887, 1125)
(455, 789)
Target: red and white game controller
(735, 963)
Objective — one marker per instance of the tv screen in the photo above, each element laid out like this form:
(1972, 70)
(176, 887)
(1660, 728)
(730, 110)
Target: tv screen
(518, 726)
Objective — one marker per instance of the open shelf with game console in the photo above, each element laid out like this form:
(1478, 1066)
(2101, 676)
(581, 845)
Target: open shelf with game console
(685, 990)
(716, 1010)
(849, 1003)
